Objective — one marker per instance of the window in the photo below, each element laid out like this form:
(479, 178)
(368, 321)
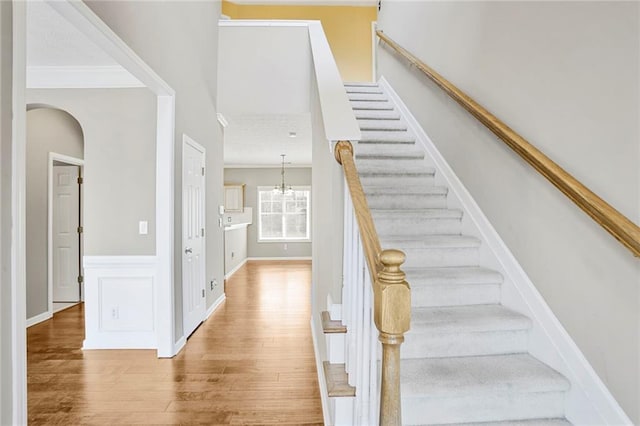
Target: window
(284, 217)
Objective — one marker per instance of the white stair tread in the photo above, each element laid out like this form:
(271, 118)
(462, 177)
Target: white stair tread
(360, 84)
(531, 422)
(367, 125)
(363, 89)
(430, 241)
(411, 168)
(386, 136)
(457, 275)
(367, 114)
(375, 97)
(417, 213)
(388, 151)
(467, 319)
(389, 190)
(463, 376)
(358, 105)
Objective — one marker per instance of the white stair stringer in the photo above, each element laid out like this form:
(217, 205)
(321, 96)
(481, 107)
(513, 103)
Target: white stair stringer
(465, 359)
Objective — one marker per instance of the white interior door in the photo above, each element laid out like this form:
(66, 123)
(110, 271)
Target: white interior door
(193, 229)
(66, 240)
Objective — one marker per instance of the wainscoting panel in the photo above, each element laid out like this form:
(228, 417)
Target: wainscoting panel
(120, 293)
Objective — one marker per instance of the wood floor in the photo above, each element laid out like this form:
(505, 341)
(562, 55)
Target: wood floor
(251, 362)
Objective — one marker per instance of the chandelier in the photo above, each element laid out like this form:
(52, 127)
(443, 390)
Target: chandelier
(282, 188)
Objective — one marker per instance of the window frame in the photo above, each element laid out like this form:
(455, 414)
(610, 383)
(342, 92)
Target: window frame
(284, 239)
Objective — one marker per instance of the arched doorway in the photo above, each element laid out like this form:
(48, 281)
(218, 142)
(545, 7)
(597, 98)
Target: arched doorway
(54, 161)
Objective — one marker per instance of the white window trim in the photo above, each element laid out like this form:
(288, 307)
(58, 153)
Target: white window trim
(284, 240)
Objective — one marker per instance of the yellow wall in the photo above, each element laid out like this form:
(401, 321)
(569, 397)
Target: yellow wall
(348, 30)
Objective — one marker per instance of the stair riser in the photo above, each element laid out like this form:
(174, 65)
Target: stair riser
(364, 89)
(492, 407)
(398, 181)
(368, 97)
(390, 156)
(395, 167)
(363, 105)
(438, 345)
(416, 225)
(382, 125)
(408, 201)
(376, 115)
(440, 257)
(452, 294)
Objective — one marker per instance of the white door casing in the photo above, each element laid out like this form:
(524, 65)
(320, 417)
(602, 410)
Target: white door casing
(193, 230)
(66, 241)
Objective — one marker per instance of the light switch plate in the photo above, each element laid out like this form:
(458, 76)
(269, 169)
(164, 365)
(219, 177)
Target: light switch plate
(143, 227)
(221, 209)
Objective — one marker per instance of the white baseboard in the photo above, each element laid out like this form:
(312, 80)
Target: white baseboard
(589, 402)
(281, 258)
(177, 347)
(37, 319)
(322, 381)
(120, 304)
(215, 305)
(234, 270)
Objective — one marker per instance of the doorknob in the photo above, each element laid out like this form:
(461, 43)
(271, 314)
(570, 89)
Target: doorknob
(188, 250)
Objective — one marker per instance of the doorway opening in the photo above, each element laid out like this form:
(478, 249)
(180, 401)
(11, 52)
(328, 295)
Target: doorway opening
(65, 232)
(54, 161)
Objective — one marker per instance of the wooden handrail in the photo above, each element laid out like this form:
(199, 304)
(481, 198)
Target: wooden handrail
(391, 292)
(618, 225)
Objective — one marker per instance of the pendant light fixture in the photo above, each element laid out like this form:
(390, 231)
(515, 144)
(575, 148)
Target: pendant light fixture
(283, 188)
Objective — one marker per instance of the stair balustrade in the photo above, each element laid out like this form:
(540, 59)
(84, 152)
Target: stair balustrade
(376, 306)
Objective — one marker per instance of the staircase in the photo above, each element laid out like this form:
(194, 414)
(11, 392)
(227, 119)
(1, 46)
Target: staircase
(465, 359)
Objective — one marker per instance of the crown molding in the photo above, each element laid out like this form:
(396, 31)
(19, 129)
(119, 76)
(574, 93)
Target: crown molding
(369, 3)
(79, 77)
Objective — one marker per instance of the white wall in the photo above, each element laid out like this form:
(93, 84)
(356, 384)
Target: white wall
(565, 76)
(48, 130)
(235, 247)
(119, 128)
(252, 178)
(6, 368)
(179, 40)
(327, 207)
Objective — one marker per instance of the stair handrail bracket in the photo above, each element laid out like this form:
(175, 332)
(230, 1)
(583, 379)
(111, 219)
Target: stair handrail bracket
(614, 222)
(391, 292)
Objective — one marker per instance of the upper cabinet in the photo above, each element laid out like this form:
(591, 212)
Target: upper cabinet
(233, 197)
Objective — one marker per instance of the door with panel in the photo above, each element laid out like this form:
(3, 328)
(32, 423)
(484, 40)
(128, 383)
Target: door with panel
(193, 231)
(66, 234)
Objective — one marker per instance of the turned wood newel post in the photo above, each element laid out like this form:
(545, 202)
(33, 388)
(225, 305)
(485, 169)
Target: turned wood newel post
(392, 314)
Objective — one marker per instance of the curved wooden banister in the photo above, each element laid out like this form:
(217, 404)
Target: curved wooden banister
(618, 225)
(391, 292)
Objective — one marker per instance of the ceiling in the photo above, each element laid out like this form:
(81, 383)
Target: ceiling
(52, 41)
(258, 140)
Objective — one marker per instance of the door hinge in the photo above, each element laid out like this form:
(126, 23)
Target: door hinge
(203, 292)
(202, 232)
(80, 279)
(80, 229)
(203, 171)
(80, 180)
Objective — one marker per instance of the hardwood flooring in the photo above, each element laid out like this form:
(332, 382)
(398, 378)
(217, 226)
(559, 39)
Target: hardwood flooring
(251, 362)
